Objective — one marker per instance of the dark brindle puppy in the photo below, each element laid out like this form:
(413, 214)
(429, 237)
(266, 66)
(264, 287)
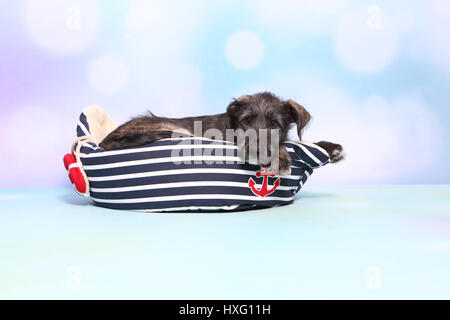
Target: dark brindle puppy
(258, 111)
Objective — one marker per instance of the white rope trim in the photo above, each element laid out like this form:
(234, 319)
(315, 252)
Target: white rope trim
(76, 147)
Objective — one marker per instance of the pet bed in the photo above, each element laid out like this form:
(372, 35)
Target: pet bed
(182, 174)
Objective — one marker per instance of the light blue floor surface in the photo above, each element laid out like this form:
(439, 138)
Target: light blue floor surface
(377, 242)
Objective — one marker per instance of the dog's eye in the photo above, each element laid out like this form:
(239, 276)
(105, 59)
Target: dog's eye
(274, 123)
(248, 120)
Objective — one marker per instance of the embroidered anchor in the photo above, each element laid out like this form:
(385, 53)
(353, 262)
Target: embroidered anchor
(264, 191)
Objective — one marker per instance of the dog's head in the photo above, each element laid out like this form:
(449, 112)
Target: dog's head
(263, 113)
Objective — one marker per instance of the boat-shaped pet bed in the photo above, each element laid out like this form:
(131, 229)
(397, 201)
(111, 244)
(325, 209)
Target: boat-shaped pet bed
(182, 174)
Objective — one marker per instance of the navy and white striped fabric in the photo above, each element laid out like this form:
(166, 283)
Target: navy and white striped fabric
(188, 174)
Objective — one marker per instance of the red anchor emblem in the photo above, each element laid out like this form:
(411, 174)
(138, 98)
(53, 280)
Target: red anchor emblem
(264, 191)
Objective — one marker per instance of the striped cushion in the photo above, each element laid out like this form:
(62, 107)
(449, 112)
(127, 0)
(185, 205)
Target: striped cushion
(189, 174)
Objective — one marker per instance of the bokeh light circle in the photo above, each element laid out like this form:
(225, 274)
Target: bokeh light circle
(61, 26)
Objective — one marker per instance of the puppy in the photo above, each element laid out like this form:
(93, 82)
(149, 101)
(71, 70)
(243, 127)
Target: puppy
(261, 112)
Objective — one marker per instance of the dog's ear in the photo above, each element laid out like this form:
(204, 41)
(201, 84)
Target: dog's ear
(299, 115)
(234, 106)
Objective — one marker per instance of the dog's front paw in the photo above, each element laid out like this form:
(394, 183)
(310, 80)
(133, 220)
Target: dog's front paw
(334, 150)
(337, 154)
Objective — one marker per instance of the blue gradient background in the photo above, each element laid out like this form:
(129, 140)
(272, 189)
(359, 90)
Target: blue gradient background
(374, 75)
